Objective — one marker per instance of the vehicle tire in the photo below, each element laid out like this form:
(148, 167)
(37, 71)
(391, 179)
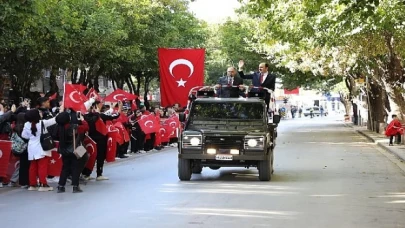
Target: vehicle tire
(215, 167)
(197, 169)
(272, 162)
(265, 170)
(184, 169)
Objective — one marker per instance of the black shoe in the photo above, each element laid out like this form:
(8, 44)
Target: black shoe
(123, 156)
(76, 189)
(158, 148)
(61, 189)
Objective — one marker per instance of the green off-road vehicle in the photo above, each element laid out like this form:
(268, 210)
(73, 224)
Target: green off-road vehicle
(227, 132)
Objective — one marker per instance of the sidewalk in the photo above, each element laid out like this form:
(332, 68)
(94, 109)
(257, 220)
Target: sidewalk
(380, 140)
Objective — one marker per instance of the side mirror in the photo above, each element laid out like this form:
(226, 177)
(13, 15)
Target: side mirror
(182, 117)
(276, 119)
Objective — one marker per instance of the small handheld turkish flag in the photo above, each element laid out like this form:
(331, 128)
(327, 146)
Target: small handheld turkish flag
(5, 153)
(74, 99)
(147, 123)
(111, 149)
(119, 95)
(91, 148)
(180, 71)
(101, 127)
(55, 162)
(92, 93)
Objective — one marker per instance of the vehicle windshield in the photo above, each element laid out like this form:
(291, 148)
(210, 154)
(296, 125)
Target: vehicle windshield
(228, 110)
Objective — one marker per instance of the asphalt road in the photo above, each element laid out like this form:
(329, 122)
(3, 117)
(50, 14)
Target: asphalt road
(326, 175)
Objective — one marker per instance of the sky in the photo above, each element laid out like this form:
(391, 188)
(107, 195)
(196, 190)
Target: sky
(214, 11)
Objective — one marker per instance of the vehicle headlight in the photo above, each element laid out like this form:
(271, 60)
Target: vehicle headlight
(254, 142)
(195, 141)
(192, 141)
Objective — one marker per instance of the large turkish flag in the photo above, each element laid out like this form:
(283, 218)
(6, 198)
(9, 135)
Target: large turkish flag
(180, 71)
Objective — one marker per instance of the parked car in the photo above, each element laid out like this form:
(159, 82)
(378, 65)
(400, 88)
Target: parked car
(317, 112)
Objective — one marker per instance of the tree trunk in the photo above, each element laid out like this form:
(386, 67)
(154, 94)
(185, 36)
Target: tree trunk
(52, 80)
(138, 84)
(96, 85)
(113, 84)
(377, 109)
(131, 90)
(394, 79)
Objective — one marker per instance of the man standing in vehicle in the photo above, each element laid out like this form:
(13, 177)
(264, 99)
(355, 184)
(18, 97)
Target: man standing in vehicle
(263, 78)
(225, 84)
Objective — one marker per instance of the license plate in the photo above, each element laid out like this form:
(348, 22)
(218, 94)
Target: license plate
(224, 157)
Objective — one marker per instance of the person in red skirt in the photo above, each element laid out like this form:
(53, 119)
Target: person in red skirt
(394, 129)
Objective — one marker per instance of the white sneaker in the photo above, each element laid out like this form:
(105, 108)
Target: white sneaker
(31, 188)
(86, 178)
(1, 185)
(45, 189)
(101, 178)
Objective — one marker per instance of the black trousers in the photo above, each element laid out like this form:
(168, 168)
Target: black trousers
(101, 155)
(70, 168)
(398, 135)
(150, 142)
(23, 178)
(140, 140)
(122, 149)
(134, 142)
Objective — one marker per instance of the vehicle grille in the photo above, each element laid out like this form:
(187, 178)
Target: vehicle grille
(224, 142)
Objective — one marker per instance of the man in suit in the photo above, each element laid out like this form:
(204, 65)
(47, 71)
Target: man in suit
(224, 84)
(263, 78)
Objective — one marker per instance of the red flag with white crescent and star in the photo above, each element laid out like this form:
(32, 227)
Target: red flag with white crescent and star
(74, 98)
(5, 153)
(147, 123)
(93, 93)
(91, 148)
(120, 95)
(111, 149)
(55, 162)
(180, 71)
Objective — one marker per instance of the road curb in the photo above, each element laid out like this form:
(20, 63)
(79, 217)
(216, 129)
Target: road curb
(135, 156)
(382, 145)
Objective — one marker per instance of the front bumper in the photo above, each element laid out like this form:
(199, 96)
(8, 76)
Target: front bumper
(243, 157)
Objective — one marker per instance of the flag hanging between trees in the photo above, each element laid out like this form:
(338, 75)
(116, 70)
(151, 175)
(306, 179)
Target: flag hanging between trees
(295, 91)
(180, 71)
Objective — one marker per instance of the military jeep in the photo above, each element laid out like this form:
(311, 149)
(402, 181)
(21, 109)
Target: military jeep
(227, 132)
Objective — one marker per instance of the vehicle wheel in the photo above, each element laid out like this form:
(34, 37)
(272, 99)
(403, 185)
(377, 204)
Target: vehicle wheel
(184, 169)
(197, 169)
(214, 167)
(265, 169)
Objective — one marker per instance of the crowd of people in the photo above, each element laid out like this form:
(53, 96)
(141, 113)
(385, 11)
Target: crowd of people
(31, 126)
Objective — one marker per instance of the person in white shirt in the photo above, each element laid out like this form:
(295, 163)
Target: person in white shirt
(38, 157)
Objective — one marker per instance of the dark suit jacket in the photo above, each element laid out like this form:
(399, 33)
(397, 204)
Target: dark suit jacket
(269, 83)
(229, 91)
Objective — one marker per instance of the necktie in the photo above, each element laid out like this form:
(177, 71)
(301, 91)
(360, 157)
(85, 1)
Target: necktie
(229, 81)
(261, 78)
